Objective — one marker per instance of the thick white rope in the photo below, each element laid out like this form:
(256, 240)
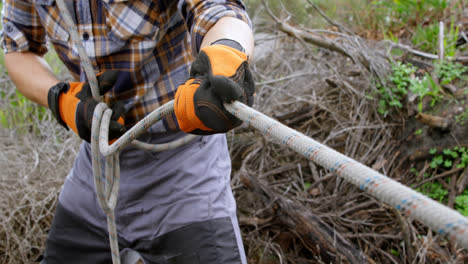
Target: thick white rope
(438, 217)
(85, 61)
(107, 193)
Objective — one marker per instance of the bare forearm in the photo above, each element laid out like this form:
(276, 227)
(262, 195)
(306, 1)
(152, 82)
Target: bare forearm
(231, 28)
(31, 74)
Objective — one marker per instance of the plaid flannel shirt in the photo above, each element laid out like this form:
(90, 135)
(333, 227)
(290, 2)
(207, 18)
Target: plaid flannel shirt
(151, 41)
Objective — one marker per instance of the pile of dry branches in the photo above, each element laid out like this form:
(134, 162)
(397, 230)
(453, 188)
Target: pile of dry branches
(292, 211)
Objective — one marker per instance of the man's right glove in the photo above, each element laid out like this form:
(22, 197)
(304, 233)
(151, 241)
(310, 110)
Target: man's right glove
(73, 106)
(219, 74)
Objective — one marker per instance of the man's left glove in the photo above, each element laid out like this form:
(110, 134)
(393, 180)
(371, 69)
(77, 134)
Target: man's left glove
(219, 74)
(73, 106)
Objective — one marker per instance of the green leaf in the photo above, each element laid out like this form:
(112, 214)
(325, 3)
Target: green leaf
(450, 153)
(447, 163)
(461, 203)
(3, 120)
(395, 252)
(439, 159)
(433, 151)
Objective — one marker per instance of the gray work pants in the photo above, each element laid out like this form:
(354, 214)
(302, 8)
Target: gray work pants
(174, 207)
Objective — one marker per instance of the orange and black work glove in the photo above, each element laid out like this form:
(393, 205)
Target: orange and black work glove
(219, 74)
(73, 106)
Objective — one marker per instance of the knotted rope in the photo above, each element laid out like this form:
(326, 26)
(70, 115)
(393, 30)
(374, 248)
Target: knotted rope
(438, 217)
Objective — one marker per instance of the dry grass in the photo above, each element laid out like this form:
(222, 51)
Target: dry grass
(34, 166)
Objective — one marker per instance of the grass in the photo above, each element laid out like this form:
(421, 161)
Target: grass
(17, 111)
(425, 37)
(412, 19)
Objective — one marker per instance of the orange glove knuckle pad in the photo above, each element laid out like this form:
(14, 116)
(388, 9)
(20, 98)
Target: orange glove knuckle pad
(73, 106)
(219, 74)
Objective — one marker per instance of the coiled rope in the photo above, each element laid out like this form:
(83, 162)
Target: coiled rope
(438, 217)
(107, 192)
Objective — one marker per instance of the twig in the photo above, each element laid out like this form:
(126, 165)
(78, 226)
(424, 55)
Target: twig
(434, 121)
(452, 191)
(462, 33)
(438, 176)
(285, 78)
(278, 170)
(425, 168)
(441, 41)
(374, 235)
(316, 235)
(357, 55)
(419, 53)
(462, 182)
(406, 233)
(410, 50)
(254, 221)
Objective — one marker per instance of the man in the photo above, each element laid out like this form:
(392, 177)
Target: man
(175, 206)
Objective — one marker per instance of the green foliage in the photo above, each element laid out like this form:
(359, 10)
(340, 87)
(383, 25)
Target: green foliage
(403, 12)
(450, 153)
(19, 112)
(448, 71)
(434, 190)
(395, 252)
(298, 9)
(461, 203)
(448, 157)
(448, 163)
(425, 37)
(463, 161)
(425, 87)
(391, 97)
(450, 40)
(54, 62)
(402, 80)
(462, 118)
(444, 161)
(437, 161)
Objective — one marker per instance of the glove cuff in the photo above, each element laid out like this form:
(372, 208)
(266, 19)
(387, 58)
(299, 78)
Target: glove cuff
(53, 100)
(230, 43)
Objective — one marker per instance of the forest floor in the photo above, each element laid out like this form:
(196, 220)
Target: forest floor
(353, 85)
